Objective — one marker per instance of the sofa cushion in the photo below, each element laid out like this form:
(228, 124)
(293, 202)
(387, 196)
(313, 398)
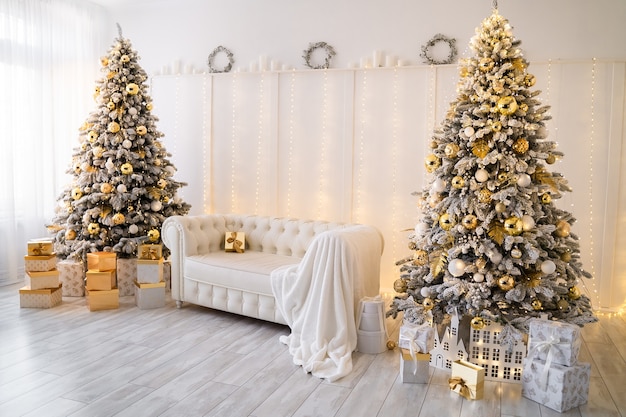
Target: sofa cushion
(249, 271)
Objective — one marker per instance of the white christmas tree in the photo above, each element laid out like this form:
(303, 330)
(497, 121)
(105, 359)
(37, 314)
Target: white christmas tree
(123, 186)
(491, 243)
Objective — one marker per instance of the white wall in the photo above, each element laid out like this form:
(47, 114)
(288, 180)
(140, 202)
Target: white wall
(346, 164)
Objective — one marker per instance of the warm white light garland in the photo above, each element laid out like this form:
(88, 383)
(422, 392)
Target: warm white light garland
(394, 165)
(233, 147)
(323, 145)
(259, 151)
(292, 88)
(358, 209)
(592, 135)
(206, 145)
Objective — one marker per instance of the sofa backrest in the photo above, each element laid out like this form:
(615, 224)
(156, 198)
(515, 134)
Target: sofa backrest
(279, 235)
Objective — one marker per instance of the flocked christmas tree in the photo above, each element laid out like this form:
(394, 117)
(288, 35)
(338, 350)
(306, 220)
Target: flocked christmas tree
(490, 242)
(123, 186)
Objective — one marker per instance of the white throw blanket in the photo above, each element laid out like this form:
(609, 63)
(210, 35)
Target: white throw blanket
(319, 298)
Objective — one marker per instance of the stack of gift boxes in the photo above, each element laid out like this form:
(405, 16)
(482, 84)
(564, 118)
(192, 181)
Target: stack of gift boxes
(150, 285)
(42, 289)
(101, 284)
(415, 343)
(552, 375)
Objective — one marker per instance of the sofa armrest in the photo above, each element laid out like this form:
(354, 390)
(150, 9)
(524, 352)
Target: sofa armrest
(190, 235)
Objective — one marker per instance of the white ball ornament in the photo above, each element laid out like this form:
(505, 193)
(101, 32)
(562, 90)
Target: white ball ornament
(478, 277)
(494, 256)
(424, 292)
(439, 185)
(523, 180)
(469, 131)
(481, 175)
(156, 205)
(121, 188)
(456, 267)
(133, 229)
(132, 111)
(548, 267)
(528, 223)
(127, 144)
(109, 164)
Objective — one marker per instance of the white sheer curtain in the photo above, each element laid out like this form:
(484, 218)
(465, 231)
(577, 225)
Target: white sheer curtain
(49, 61)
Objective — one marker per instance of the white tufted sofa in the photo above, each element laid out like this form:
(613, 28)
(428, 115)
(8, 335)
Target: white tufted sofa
(204, 274)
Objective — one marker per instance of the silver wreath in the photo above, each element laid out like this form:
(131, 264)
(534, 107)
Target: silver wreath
(436, 39)
(330, 53)
(229, 55)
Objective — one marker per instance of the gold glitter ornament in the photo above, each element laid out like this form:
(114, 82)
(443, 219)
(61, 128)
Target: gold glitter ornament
(566, 256)
(153, 235)
(124, 59)
(573, 293)
(118, 218)
(92, 136)
(457, 182)
(141, 130)
(477, 323)
(513, 226)
(412, 245)
(536, 305)
(486, 64)
(562, 229)
(502, 176)
(77, 193)
(546, 198)
(70, 234)
(518, 64)
(464, 72)
(106, 188)
(400, 285)
(484, 196)
(530, 80)
(506, 282)
(451, 150)
(93, 228)
(496, 126)
(507, 105)
(446, 222)
(481, 263)
(523, 107)
(126, 169)
(551, 159)
(469, 222)
(520, 146)
(428, 304)
(132, 89)
(431, 162)
(113, 127)
(110, 105)
(149, 106)
(391, 344)
(480, 148)
(104, 61)
(420, 257)
(162, 183)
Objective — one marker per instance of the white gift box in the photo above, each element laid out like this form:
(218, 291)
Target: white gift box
(467, 379)
(554, 341)
(557, 387)
(126, 276)
(148, 296)
(39, 247)
(149, 271)
(42, 280)
(420, 338)
(40, 263)
(72, 276)
(42, 298)
(414, 368)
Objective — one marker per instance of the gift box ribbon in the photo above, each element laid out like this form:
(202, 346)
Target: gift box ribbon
(418, 341)
(236, 243)
(457, 381)
(149, 253)
(552, 345)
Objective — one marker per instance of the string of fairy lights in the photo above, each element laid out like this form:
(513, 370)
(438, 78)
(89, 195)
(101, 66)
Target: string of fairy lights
(394, 165)
(206, 144)
(358, 207)
(233, 147)
(292, 105)
(321, 200)
(259, 150)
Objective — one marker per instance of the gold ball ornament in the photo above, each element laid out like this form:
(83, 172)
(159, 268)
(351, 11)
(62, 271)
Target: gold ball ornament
(458, 182)
(481, 263)
(480, 148)
(502, 176)
(420, 257)
(506, 282)
(469, 222)
(391, 345)
(566, 256)
(70, 234)
(562, 229)
(562, 304)
(400, 285)
(523, 107)
(496, 126)
(573, 293)
(132, 89)
(513, 226)
(153, 235)
(412, 245)
(507, 105)
(428, 304)
(92, 136)
(551, 159)
(484, 196)
(546, 198)
(477, 323)
(106, 188)
(530, 80)
(433, 144)
(118, 218)
(77, 193)
(110, 75)
(93, 228)
(451, 150)
(536, 304)
(110, 105)
(113, 127)
(520, 146)
(141, 130)
(516, 253)
(446, 222)
(104, 61)
(149, 106)
(124, 59)
(162, 183)
(126, 168)
(486, 64)
(500, 207)
(431, 162)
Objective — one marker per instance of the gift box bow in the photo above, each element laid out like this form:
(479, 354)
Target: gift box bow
(552, 345)
(464, 389)
(419, 338)
(236, 242)
(149, 253)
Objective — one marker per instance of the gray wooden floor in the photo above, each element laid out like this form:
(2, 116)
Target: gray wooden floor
(67, 361)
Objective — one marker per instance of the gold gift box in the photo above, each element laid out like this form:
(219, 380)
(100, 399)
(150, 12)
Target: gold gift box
(467, 379)
(42, 280)
(103, 300)
(235, 242)
(150, 251)
(148, 296)
(149, 271)
(33, 263)
(40, 247)
(100, 280)
(42, 298)
(101, 261)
